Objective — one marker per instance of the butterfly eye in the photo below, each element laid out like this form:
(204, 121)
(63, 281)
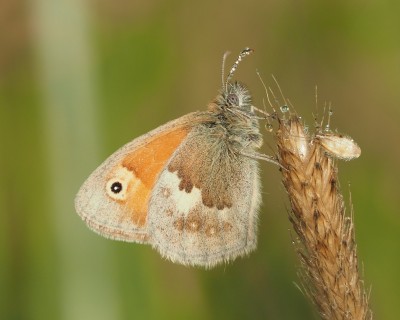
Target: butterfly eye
(232, 99)
(116, 187)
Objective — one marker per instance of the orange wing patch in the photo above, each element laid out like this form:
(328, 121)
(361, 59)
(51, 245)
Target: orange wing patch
(140, 169)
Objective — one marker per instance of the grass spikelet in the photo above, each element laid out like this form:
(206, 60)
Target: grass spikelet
(326, 244)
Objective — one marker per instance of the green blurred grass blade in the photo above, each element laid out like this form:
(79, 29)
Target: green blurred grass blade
(87, 291)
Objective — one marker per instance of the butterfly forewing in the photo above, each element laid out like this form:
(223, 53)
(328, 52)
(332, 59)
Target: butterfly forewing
(114, 199)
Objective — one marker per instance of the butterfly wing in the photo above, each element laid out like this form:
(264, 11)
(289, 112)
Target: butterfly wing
(113, 201)
(203, 209)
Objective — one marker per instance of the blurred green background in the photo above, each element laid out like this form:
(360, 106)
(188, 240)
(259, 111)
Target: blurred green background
(80, 78)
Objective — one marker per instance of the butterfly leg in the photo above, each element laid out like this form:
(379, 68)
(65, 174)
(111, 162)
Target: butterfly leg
(261, 156)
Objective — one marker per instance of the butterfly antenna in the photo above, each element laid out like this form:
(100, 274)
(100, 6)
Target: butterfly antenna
(226, 54)
(245, 52)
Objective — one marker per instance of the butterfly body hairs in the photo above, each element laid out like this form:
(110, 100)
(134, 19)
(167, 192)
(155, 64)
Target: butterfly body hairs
(190, 188)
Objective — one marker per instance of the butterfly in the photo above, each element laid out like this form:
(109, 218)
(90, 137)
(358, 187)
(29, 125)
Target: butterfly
(190, 188)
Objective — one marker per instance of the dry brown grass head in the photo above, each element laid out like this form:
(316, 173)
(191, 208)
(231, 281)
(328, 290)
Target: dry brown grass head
(326, 244)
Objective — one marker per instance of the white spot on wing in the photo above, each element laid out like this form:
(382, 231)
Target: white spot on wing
(183, 201)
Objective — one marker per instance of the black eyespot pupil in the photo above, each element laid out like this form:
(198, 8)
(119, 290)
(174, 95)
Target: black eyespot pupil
(116, 187)
(233, 99)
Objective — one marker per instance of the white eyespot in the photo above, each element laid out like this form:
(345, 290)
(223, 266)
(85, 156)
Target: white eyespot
(117, 186)
(339, 146)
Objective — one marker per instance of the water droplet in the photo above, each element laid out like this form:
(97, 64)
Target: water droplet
(330, 112)
(284, 108)
(269, 127)
(327, 128)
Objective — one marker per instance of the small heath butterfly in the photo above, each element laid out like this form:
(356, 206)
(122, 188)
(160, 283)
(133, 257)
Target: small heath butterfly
(190, 188)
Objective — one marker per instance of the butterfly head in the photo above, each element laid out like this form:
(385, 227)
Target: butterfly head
(234, 95)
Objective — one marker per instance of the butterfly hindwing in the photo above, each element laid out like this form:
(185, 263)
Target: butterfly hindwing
(203, 209)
